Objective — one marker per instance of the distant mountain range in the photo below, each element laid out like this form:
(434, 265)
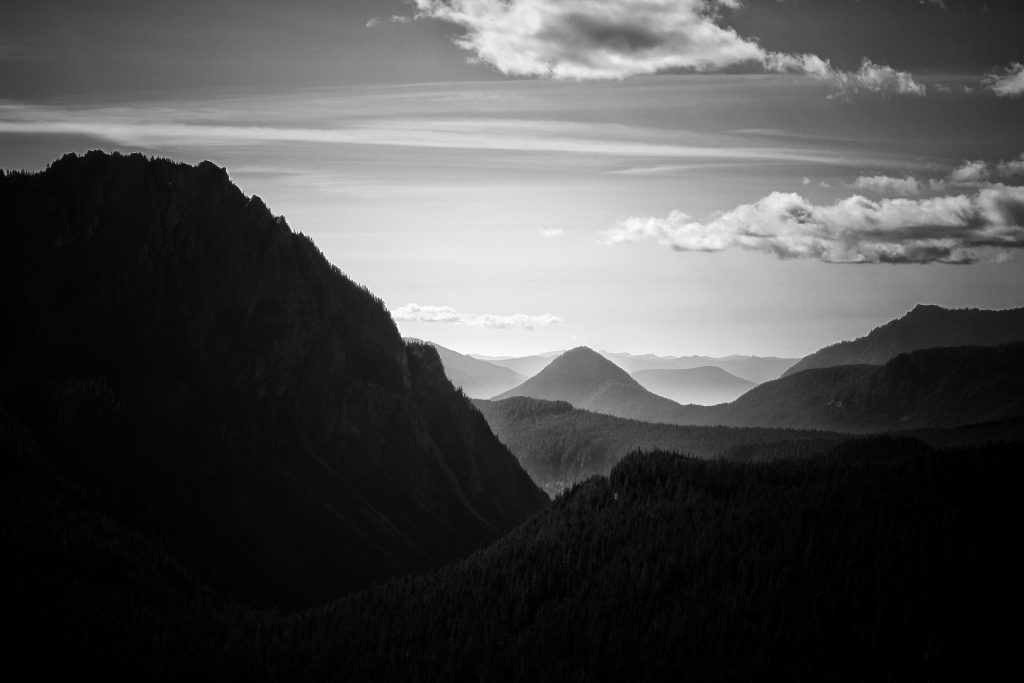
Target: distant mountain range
(528, 366)
(923, 327)
(704, 386)
(477, 378)
(588, 380)
(928, 388)
(754, 369)
(201, 373)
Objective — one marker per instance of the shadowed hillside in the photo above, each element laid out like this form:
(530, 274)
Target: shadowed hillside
(922, 328)
(208, 376)
(940, 387)
(882, 560)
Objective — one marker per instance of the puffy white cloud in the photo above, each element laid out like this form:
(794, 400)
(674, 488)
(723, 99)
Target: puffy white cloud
(947, 229)
(446, 314)
(980, 173)
(1010, 83)
(597, 39)
(969, 174)
(586, 39)
(551, 232)
(883, 184)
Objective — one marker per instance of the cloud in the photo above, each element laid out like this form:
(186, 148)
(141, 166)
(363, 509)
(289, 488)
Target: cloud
(946, 229)
(977, 173)
(447, 314)
(870, 78)
(601, 39)
(395, 19)
(551, 232)
(969, 174)
(159, 127)
(883, 184)
(587, 39)
(1010, 83)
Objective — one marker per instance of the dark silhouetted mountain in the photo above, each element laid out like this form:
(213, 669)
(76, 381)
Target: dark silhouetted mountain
(560, 445)
(754, 369)
(177, 351)
(588, 380)
(527, 366)
(706, 386)
(477, 378)
(941, 387)
(880, 560)
(922, 328)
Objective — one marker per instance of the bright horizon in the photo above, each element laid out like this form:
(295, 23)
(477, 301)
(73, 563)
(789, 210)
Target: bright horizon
(680, 181)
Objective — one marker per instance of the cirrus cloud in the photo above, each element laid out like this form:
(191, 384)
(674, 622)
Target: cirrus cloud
(947, 229)
(446, 314)
(602, 39)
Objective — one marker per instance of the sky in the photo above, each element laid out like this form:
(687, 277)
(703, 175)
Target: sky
(676, 177)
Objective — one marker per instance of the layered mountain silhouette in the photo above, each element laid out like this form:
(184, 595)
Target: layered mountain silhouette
(923, 327)
(940, 387)
(708, 385)
(477, 378)
(754, 369)
(587, 380)
(202, 371)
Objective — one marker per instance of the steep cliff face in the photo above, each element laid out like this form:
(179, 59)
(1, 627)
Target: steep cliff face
(180, 351)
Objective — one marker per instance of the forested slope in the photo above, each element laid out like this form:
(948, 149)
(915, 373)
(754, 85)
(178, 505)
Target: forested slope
(882, 560)
(177, 350)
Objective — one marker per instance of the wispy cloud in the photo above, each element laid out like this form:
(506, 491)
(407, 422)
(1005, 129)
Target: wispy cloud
(601, 39)
(163, 127)
(1009, 83)
(947, 229)
(870, 78)
(446, 314)
(393, 19)
(550, 232)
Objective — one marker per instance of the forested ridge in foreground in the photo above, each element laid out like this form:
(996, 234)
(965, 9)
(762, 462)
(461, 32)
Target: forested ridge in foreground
(177, 350)
(883, 560)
